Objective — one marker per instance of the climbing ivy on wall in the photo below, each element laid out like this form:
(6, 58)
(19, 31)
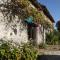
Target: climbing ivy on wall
(23, 3)
(37, 15)
(22, 9)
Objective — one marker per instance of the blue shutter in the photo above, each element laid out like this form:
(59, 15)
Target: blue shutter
(29, 20)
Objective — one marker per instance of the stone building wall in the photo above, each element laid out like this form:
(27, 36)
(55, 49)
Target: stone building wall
(15, 30)
(11, 27)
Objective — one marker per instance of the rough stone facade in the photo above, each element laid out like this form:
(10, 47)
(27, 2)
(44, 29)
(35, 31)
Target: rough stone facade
(15, 30)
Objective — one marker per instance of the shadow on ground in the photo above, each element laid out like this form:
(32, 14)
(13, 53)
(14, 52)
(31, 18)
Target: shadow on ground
(48, 57)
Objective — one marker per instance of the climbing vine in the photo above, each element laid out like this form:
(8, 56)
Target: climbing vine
(22, 9)
(23, 3)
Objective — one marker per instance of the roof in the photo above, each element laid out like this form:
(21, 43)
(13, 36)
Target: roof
(47, 13)
(43, 8)
(35, 3)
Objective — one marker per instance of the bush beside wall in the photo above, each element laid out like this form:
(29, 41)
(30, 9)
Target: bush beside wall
(13, 51)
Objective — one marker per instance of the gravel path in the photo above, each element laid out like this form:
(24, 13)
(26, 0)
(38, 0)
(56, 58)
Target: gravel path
(51, 53)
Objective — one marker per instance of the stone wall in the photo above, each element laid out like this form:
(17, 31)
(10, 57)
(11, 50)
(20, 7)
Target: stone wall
(15, 30)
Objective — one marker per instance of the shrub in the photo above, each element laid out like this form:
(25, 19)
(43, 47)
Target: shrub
(53, 37)
(29, 52)
(12, 51)
(49, 37)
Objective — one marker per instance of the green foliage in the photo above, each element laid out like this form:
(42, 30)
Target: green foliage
(12, 51)
(29, 52)
(38, 17)
(8, 51)
(23, 3)
(47, 25)
(53, 37)
(23, 9)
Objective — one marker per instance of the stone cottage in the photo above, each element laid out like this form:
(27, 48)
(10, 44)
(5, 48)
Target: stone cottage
(14, 27)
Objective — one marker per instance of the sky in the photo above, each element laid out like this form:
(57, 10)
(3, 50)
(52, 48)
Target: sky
(53, 7)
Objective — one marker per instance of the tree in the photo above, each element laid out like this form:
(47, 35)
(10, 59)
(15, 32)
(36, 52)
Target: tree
(58, 25)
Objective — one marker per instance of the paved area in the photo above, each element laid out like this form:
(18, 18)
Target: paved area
(52, 53)
(50, 50)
